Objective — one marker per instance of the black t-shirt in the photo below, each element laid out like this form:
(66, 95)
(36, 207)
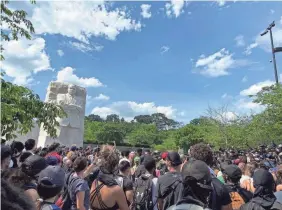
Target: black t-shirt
(169, 188)
(220, 195)
(127, 183)
(245, 194)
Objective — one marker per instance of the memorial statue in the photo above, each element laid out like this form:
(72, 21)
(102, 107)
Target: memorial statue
(72, 99)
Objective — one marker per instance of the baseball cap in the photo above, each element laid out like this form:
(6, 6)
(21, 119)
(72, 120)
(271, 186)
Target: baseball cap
(33, 165)
(174, 158)
(164, 155)
(263, 178)
(52, 160)
(52, 175)
(198, 170)
(233, 171)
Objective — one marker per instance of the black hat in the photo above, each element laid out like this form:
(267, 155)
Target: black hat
(232, 171)
(174, 158)
(263, 178)
(33, 165)
(5, 152)
(198, 170)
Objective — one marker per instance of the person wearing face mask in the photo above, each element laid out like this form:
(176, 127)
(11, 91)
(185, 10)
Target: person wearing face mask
(264, 197)
(196, 186)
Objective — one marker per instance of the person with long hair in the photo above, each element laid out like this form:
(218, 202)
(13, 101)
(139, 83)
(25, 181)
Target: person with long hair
(106, 194)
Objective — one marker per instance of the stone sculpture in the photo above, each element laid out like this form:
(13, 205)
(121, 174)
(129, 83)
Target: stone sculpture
(72, 99)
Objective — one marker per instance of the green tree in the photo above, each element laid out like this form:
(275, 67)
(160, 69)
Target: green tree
(113, 118)
(144, 135)
(17, 24)
(20, 108)
(146, 119)
(94, 117)
(110, 132)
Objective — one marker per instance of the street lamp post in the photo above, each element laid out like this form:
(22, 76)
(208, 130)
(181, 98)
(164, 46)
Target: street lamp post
(269, 28)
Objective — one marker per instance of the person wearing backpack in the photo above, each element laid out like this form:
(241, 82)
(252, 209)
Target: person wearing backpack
(264, 197)
(169, 185)
(239, 196)
(50, 183)
(196, 187)
(145, 193)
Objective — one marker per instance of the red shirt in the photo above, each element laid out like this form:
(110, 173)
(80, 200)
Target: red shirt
(55, 154)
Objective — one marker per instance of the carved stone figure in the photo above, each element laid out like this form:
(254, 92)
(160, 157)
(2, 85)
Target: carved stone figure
(72, 99)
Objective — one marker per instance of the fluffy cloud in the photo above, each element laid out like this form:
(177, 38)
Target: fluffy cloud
(85, 47)
(164, 49)
(218, 63)
(175, 7)
(248, 105)
(254, 89)
(221, 2)
(60, 53)
(240, 42)
(102, 97)
(23, 58)
(83, 19)
(129, 109)
(244, 79)
(249, 48)
(67, 75)
(146, 11)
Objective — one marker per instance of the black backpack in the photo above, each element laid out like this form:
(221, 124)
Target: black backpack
(142, 198)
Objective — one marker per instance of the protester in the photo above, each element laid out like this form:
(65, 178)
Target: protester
(105, 191)
(125, 156)
(53, 152)
(220, 199)
(169, 186)
(29, 146)
(239, 196)
(17, 148)
(50, 183)
(127, 184)
(6, 155)
(196, 186)
(246, 180)
(264, 197)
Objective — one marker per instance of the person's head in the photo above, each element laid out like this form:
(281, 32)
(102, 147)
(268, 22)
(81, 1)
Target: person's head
(164, 155)
(242, 166)
(264, 183)
(80, 164)
(14, 198)
(202, 152)
(72, 90)
(173, 161)
(43, 153)
(139, 152)
(16, 177)
(137, 161)
(29, 144)
(124, 167)
(53, 147)
(73, 148)
(197, 180)
(33, 165)
(149, 163)
(109, 159)
(17, 148)
(50, 182)
(250, 169)
(125, 154)
(52, 160)
(24, 156)
(6, 154)
(232, 174)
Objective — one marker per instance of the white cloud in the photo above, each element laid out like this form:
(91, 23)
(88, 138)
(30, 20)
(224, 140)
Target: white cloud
(164, 49)
(221, 2)
(146, 11)
(247, 104)
(60, 53)
(129, 109)
(240, 42)
(67, 75)
(244, 79)
(82, 19)
(174, 7)
(102, 97)
(23, 58)
(248, 50)
(254, 89)
(85, 47)
(218, 63)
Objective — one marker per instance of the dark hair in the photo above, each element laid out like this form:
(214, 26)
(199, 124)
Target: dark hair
(24, 156)
(43, 153)
(125, 153)
(124, 165)
(17, 146)
(5, 152)
(202, 152)
(53, 147)
(46, 190)
(109, 159)
(16, 177)
(13, 198)
(139, 152)
(80, 164)
(29, 144)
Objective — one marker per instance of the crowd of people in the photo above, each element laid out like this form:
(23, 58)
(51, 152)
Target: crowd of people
(102, 178)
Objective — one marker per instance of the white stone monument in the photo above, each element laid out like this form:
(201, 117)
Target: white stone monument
(72, 99)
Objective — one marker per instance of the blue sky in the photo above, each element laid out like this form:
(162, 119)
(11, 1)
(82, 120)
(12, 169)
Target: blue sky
(134, 58)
